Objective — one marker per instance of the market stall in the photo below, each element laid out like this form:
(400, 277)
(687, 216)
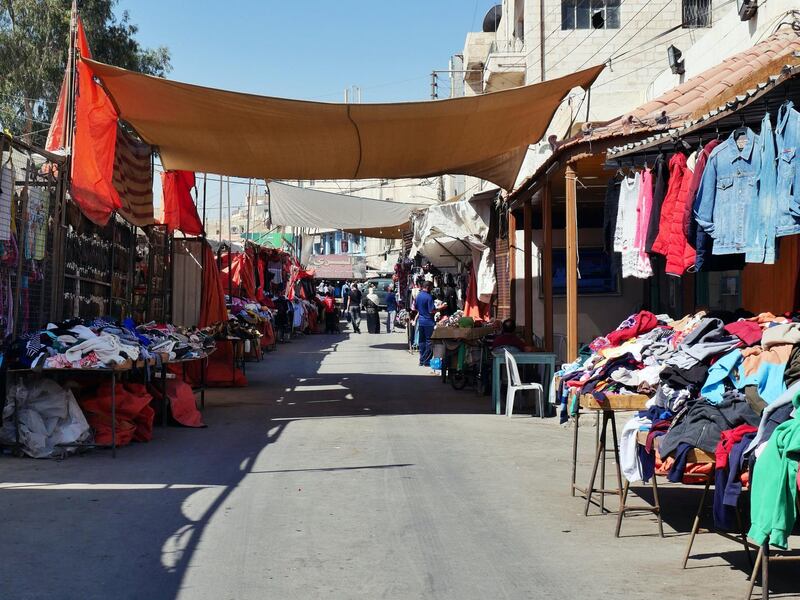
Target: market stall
(704, 211)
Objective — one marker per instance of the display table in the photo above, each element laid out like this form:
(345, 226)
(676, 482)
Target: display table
(466, 334)
(182, 362)
(613, 403)
(548, 359)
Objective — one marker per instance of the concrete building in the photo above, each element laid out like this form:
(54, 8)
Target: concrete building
(517, 47)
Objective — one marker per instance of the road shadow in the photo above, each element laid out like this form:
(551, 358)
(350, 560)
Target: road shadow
(93, 527)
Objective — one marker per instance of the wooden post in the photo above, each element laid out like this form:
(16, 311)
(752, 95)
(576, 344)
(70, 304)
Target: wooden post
(547, 264)
(528, 278)
(512, 264)
(572, 263)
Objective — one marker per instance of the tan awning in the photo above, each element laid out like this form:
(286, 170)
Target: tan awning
(207, 130)
(294, 206)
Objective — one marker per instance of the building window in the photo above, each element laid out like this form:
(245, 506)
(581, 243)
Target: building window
(590, 14)
(696, 13)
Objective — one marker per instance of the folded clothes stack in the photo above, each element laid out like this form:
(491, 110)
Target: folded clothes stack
(104, 343)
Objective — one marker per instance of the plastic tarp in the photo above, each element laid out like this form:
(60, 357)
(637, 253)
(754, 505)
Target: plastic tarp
(456, 232)
(216, 131)
(48, 416)
(292, 206)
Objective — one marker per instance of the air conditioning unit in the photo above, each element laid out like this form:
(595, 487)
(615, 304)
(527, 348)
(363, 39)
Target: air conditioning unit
(747, 9)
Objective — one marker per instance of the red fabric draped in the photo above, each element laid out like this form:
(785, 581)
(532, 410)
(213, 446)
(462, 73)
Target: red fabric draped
(180, 211)
(241, 275)
(212, 304)
(134, 414)
(472, 306)
(55, 136)
(94, 146)
(220, 371)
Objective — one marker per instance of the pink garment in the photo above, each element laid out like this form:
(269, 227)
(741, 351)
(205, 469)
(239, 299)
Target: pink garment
(644, 206)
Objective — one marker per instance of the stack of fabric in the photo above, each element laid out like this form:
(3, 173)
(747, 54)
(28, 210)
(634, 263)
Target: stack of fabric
(103, 343)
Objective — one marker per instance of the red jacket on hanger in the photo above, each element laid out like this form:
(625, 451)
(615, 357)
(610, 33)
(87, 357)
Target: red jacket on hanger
(671, 241)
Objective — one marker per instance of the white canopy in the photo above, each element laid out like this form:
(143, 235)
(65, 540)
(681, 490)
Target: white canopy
(293, 206)
(456, 232)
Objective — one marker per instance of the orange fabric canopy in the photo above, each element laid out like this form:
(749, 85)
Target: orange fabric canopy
(208, 130)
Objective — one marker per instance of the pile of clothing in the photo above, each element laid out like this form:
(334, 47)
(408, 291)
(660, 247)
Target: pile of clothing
(723, 383)
(104, 343)
(711, 208)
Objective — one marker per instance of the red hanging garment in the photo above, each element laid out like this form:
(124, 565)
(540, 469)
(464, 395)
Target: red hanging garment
(212, 304)
(94, 146)
(472, 306)
(180, 211)
(671, 241)
(240, 275)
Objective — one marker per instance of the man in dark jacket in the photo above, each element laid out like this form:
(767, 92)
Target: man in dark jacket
(355, 307)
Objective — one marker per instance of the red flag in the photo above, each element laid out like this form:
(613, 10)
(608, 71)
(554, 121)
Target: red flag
(55, 137)
(179, 209)
(93, 150)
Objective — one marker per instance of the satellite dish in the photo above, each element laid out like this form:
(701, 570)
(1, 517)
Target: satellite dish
(492, 19)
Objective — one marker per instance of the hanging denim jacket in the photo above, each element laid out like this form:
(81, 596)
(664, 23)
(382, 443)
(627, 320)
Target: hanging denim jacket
(728, 189)
(761, 214)
(787, 133)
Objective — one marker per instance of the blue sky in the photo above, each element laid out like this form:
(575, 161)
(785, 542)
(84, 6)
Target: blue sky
(309, 49)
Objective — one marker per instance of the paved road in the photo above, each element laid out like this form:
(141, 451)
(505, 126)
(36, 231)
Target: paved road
(343, 471)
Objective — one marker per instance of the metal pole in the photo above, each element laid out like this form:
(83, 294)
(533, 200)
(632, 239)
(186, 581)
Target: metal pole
(572, 263)
(205, 184)
(249, 194)
(219, 225)
(22, 234)
(230, 238)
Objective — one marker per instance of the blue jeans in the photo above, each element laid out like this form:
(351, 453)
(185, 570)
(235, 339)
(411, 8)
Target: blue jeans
(425, 333)
(390, 316)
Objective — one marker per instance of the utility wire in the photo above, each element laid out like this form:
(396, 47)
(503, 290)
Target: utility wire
(621, 29)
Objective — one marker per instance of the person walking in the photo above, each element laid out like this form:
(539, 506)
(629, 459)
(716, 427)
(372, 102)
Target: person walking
(330, 313)
(345, 295)
(391, 308)
(355, 307)
(425, 322)
(372, 307)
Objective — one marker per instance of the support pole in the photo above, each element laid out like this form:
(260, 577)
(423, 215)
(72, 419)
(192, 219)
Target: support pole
(547, 263)
(205, 189)
(528, 281)
(572, 263)
(512, 264)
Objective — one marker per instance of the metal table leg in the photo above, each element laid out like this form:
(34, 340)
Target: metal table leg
(164, 397)
(113, 414)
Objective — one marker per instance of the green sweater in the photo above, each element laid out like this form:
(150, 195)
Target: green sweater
(773, 495)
